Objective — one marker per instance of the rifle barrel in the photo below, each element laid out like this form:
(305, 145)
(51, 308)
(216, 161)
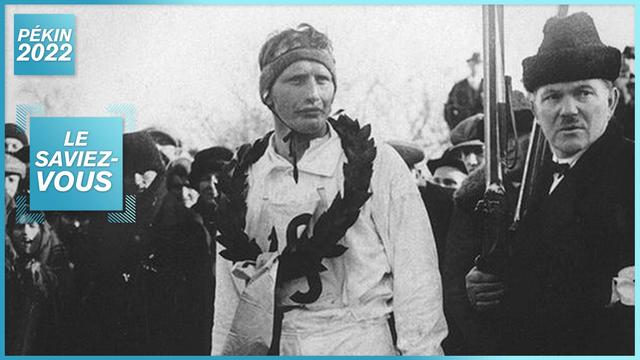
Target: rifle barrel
(492, 208)
(494, 90)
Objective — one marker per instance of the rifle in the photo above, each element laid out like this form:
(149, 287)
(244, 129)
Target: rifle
(492, 208)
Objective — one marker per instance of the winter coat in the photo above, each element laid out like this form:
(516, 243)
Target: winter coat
(566, 252)
(113, 309)
(569, 247)
(178, 275)
(463, 101)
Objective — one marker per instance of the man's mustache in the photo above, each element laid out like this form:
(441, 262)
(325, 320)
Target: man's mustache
(571, 122)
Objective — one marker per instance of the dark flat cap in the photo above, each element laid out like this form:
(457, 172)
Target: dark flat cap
(448, 158)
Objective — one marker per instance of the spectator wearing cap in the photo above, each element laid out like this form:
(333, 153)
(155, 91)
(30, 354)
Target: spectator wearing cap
(465, 98)
(467, 139)
(207, 164)
(293, 176)
(568, 288)
(14, 138)
(447, 171)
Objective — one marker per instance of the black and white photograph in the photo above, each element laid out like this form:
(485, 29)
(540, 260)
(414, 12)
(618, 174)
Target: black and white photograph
(333, 180)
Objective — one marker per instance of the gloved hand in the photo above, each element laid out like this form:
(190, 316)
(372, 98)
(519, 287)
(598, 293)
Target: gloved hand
(484, 291)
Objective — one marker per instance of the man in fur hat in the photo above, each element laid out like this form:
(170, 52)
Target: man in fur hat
(322, 224)
(569, 285)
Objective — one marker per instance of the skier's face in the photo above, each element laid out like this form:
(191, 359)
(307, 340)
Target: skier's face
(302, 97)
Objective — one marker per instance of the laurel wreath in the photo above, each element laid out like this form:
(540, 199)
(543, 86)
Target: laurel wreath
(303, 258)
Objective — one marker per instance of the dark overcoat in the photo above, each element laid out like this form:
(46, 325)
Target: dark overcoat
(463, 101)
(565, 253)
(569, 247)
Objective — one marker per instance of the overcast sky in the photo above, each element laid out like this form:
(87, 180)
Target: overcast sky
(175, 63)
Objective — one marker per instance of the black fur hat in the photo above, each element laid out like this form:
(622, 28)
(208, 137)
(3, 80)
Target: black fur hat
(571, 50)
